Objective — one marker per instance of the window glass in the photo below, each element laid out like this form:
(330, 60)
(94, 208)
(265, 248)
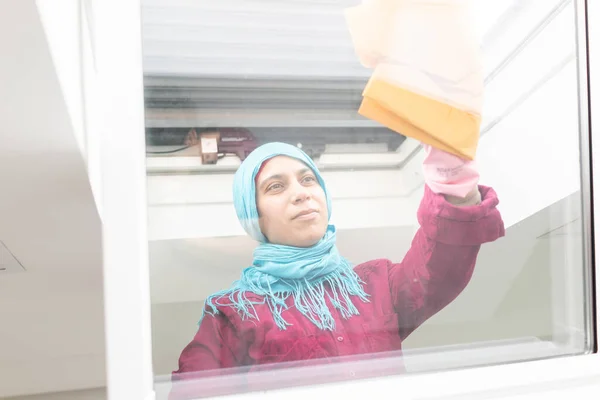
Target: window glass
(250, 286)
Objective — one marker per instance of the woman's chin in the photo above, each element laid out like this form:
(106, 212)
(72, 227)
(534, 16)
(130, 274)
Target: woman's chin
(309, 239)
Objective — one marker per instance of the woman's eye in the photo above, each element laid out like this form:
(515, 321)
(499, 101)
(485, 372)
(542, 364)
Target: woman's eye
(274, 186)
(308, 179)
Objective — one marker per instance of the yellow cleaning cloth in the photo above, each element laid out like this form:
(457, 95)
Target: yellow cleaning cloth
(427, 80)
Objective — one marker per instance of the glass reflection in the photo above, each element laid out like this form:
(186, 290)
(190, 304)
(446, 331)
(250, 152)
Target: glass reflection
(343, 236)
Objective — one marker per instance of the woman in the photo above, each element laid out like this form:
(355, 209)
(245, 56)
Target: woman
(301, 300)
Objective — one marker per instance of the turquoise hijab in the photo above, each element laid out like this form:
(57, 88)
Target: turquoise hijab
(277, 271)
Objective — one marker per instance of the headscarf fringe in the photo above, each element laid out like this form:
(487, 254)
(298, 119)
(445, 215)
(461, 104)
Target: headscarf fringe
(308, 298)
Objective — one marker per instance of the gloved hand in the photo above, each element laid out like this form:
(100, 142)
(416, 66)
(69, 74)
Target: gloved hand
(449, 175)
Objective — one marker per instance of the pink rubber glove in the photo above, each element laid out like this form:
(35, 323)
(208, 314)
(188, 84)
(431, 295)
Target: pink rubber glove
(448, 174)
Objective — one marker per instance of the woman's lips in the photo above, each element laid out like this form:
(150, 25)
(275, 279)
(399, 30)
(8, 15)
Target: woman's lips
(307, 214)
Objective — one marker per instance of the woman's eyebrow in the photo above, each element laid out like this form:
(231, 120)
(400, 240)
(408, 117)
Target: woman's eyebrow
(270, 178)
(303, 171)
(280, 176)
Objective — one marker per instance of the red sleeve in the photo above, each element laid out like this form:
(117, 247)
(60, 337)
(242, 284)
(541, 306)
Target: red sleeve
(210, 348)
(441, 259)
(214, 349)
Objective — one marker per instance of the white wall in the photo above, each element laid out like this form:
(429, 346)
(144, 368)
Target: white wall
(62, 29)
(69, 34)
(52, 331)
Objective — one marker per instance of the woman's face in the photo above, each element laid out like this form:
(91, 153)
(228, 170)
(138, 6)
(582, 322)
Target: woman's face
(291, 203)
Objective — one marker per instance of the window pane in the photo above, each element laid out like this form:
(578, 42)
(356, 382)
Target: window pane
(413, 281)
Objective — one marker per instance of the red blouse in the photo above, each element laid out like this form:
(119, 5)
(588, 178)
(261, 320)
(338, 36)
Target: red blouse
(403, 295)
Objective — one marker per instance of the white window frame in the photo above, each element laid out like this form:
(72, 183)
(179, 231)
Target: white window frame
(117, 48)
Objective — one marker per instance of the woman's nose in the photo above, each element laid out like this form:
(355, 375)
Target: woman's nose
(301, 194)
